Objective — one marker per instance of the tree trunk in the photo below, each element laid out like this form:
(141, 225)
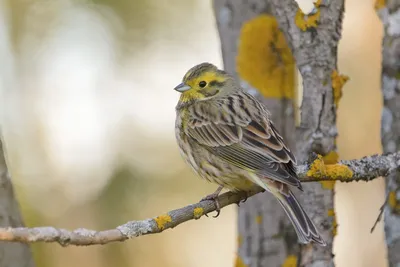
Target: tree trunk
(390, 128)
(255, 51)
(314, 39)
(11, 254)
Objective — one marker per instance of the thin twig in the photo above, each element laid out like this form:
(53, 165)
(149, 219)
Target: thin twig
(379, 218)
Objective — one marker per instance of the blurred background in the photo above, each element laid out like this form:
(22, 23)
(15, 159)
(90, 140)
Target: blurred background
(88, 121)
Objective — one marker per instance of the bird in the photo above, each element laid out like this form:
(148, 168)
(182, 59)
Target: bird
(227, 137)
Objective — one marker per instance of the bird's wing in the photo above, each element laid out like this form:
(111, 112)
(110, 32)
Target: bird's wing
(243, 136)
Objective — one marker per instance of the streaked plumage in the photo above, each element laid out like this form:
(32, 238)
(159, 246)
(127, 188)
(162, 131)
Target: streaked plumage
(227, 137)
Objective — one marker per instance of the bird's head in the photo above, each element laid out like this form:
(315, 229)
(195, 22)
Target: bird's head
(204, 81)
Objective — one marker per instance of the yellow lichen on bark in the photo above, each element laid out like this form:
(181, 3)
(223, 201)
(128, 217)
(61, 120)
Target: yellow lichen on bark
(162, 220)
(239, 262)
(379, 4)
(328, 184)
(393, 203)
(331, 213)
(305, 22)
(330, 158)
(290, 261)
(318, 3)
(317, 168)
(198, 212)
(334, 226)
(392, 199)
(326, 167)
(240, 240)
(258, 219)
(337, 84)
(265, 61)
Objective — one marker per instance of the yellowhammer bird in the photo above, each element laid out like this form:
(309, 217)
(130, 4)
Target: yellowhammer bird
(227, 137)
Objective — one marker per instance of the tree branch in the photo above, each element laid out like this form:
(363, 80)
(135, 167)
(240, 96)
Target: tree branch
(364, 169)
(85, 237)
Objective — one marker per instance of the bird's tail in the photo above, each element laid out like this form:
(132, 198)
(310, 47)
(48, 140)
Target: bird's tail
(305, 228)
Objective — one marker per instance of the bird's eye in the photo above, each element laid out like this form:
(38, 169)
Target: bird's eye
(202, 84)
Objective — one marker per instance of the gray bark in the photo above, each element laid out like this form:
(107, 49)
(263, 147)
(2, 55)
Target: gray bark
(11, 254)
(315, 52)
(266, 236)
(390, 128)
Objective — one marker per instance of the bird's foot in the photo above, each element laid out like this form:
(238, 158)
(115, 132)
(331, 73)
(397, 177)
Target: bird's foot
(246, 196)
(214, 197)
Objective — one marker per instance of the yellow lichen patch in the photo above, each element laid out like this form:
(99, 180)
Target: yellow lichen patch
(265, 61)
(392, 200)
(320, 169)
(317, 168)
(338, 171)
(239, 262)
(331, 158)
(240, 240)
(337, 84)
(305, 22)
(328, 184)
(162, 220)
(318, 3)
(331, 213)
(258, 219)
(380, 4)
(290, 261)
(198, 212)
(334, 226)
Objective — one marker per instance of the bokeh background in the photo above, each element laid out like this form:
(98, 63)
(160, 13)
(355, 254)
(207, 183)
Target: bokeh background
(88, 123)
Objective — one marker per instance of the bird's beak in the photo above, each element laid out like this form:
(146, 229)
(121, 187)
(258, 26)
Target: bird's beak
(182, 87)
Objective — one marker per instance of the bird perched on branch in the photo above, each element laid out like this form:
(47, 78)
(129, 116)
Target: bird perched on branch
(228, 138)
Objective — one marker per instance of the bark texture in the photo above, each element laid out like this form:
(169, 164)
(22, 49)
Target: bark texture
(314, 40)
(17, 254)
(390, 128)
(265, 235)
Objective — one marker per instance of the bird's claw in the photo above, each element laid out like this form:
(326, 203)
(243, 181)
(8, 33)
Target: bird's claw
(213, 197)
(246, 196)
(218, 212)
